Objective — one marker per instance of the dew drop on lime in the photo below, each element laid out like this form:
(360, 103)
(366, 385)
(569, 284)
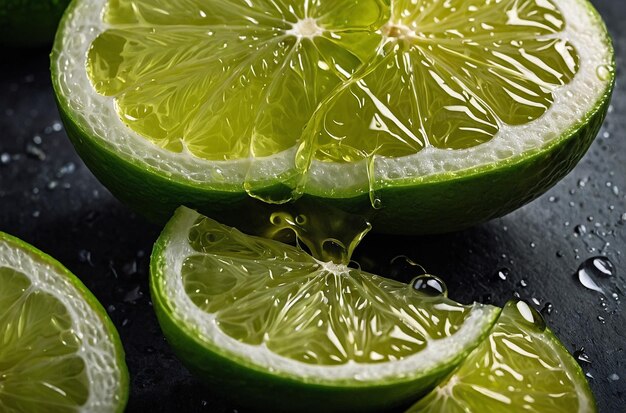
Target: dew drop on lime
(528, 313)
(603, 72)
(429, 285)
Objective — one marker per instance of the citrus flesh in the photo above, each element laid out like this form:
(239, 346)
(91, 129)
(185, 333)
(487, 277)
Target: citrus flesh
(273, 318)
(520, 367)
(360, 103)
(60, 352)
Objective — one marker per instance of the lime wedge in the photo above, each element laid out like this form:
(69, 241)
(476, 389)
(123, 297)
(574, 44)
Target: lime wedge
(400, 109)
(60, 352)
(521, 367)
(269, 323)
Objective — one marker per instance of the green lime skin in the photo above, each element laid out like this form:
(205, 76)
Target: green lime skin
(29, 23)
(436, 204)
(93, 302)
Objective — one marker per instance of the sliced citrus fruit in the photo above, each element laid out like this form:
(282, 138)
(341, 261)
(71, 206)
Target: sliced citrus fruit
(521, 367)
(271, 324)
(60, 352)
(399, 109)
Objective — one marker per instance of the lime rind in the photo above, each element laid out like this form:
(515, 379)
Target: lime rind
(583, 28)
(168, 289)
(101, 348)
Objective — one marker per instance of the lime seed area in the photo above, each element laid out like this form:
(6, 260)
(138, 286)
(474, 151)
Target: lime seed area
(341, 80)
(35, 325)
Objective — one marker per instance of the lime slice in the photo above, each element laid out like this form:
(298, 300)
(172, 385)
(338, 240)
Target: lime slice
(271, 324)
(399, 109)
(60, 352)
(521, 367)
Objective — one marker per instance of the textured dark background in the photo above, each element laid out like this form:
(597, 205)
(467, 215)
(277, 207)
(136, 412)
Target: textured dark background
(49, 199)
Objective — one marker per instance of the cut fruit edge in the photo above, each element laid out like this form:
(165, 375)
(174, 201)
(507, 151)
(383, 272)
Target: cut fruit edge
(168, 290)
(573, 370)
(101, 347)
(96, 117)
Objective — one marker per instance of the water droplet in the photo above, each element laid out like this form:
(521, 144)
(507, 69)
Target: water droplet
(110, 308)
(529, 314)
(429, 285)
(503, 273)
(559, 254)
(581, 356)
(523, 283)
(613, 377)
(5, 158)
(590, 218)
(603, 72)
(35, 152)
(52, 184)
(37, 140)
(85, 256)
(553, 199)
(533, 245)
(547, 308)
(580, 230)
(623, 218)
(601, 319)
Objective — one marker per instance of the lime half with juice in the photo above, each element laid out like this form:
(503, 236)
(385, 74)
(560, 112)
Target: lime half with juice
(425, 116)
(60, 353)
(521, 367)
(269, 325)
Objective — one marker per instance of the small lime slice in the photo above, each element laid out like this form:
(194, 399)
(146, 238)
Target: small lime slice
(60, 352)
(521, 367)
(272, 324)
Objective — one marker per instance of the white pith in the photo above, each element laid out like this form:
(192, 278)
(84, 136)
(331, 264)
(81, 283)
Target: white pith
(98, 115)
(203, 326)
(97, 350)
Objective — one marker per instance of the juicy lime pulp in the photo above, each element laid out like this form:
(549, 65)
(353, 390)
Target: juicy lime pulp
(520, 367)
(345, 81)
(60, 352)
(270, 308)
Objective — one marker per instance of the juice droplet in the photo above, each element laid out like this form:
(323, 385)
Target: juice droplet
(403, 268)
(429, 285)
(377, 203)
(604, 72)
(528, 313)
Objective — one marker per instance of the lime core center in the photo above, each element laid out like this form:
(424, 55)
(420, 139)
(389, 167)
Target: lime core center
(306, 28)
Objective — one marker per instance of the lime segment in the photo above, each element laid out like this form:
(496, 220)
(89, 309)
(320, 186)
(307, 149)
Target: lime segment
(59, 351)
(521, 367)
(270, 308)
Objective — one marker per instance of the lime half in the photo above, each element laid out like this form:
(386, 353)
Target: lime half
(60, 352)
(520, 367)
(400, 109)
(271, 324)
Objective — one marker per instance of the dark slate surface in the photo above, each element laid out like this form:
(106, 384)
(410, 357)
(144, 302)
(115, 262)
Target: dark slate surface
(50, 199)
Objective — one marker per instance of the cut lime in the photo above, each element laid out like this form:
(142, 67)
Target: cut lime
(411, 108)
(521, 367)
(271, 324)
(60, 352)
